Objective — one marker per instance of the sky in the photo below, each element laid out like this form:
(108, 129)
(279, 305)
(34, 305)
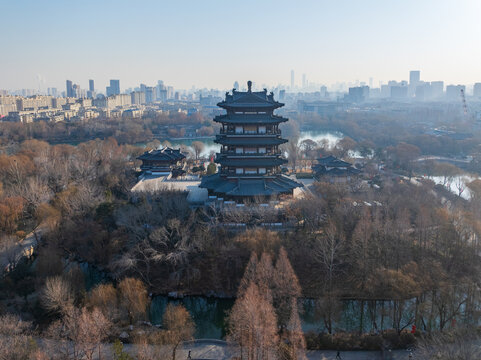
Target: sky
(211, 44)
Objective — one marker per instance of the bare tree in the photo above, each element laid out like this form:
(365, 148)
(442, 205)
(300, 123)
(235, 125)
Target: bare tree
(15, 340)
(133, 298)
(292, 149)
(78, 335)
(253, 325)
(249, 274)
(285, 288)
(57, 295)
(327, 252)
(105, 298)
(178, 326)
(198, 147)
(463, 344)
(295, 335)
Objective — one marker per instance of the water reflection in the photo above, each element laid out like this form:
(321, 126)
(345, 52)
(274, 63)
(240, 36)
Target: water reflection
(209, 315)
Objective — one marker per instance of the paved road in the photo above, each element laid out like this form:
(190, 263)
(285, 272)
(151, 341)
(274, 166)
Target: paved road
(206, 349)
(13, 253)
(218, 350)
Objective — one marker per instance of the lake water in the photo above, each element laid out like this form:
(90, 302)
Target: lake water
(332, 137)
(455, 183)
(209, 315)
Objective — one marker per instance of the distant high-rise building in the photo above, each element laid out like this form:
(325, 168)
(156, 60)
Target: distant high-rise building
(150, 94)
(414, 81)
(170, 92)
(414, 77)
(160, 89)
(437, 89)
(236, 85)
(292, 80)
(453, 92)
(162, 95)
(137, 97)
(91, 85)
(304, 81)
(358, 94)
(52, 92)
(114, 88)
(69, 88)
(76, 91)
(423, 91)
(323, 90)
(370, 83)
(477, 90)
(282, 94)
(399, 92)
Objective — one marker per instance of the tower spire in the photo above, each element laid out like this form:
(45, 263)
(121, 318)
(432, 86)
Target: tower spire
(249, 86)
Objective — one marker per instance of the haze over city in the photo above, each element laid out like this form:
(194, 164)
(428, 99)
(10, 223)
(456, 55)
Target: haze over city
(204, 44)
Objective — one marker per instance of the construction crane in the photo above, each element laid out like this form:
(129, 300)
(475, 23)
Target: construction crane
(465, 107)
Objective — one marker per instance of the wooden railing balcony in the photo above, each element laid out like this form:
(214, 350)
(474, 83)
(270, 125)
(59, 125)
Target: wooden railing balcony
(233, 153)
(233, 132)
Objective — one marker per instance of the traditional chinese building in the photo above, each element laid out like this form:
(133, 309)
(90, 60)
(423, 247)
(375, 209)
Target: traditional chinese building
(250, 157)
(333, 169)
(163, 162)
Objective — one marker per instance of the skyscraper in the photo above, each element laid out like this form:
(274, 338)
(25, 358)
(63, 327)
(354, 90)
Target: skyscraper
(304, 82)
(114, 88)
(292, 80)
(69, 88)
(414, 77)
(453, 92)
(91, 85)
(437, 89)
(150, 94)
(477, 90)
(414, 81)
(236, 85)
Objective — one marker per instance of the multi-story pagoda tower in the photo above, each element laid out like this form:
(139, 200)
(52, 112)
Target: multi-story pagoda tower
(250, 157)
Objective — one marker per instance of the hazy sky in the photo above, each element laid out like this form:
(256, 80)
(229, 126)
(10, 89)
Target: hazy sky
(213, 43)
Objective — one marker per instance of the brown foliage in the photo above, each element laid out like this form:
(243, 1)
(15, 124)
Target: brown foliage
(178, 326)
(10, 210)
(104, 297)
(133, 298)
(253, 325)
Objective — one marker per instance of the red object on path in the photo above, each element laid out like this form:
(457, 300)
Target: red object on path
(413, 329)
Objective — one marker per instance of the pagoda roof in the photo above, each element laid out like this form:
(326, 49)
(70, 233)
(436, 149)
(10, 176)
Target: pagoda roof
(249, 119)
(249, 99)
(338, 172)
(165, 154)
(257, 140)
(240, 187)
(252, 161)
(332, 161)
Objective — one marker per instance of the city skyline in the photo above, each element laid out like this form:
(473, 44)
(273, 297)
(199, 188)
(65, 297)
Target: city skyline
(201, 44)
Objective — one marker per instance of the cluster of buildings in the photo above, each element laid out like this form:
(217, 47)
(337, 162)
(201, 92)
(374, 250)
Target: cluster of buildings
(75, 103)
(415, 89)
(80, 104)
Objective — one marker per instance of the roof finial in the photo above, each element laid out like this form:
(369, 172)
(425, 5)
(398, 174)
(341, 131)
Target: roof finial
(249, 86)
